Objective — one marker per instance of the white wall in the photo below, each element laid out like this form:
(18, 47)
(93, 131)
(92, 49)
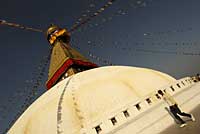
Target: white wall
(152, 117)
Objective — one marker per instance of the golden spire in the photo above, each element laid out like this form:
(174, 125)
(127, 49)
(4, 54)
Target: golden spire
(65, 61)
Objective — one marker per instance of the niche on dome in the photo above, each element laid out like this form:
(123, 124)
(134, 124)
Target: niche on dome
(149, 101)
(178, 86)
(172, 88)
(183, 83)
(157, 96)
(126, 113)
(113, 120)
(98, 129)
(138, 106)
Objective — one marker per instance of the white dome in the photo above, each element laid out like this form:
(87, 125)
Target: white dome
(77, 102)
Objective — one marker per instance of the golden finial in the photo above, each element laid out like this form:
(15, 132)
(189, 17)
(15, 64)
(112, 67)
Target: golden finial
(54, 33)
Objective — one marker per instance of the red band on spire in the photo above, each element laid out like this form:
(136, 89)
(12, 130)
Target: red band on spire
(64, 67)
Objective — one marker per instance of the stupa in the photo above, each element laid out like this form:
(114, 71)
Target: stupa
(86, 99)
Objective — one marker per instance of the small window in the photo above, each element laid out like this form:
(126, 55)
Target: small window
(98, 129)
(183, 83)
(148, 100)
(178, 85)
(113, 120)
(138, 106)
(126, 114)
(157, 96)
(172, 88)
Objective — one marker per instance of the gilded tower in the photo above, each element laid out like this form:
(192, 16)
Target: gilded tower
(65, 61)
